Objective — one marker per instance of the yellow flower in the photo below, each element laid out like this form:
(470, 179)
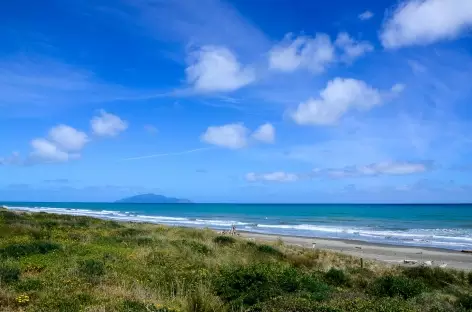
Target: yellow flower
(22, 299)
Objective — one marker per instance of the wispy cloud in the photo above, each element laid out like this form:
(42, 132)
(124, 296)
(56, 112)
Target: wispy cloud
(170, 154)
(205, 22)
(371, 170)
(366, 15)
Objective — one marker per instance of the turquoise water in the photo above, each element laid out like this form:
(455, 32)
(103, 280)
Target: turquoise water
(441, 226)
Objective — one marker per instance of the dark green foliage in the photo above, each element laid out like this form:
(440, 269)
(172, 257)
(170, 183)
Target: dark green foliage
(251, 244)
(9, 274)
(137, 306)
(291, 304)
(433, 277)
(361, 304)
(65, 303)
(224, 240)
(144, 241)
(130, 232)
(29, 284)
(92, 268)
(469, 278)
(336, 277)
(465, 302)
(257, 283)
(25, 249)
(269, 250)
(194, 246)
(9, 217)
(396, 286)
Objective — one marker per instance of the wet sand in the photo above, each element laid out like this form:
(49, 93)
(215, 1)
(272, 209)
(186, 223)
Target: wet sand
(380, 252)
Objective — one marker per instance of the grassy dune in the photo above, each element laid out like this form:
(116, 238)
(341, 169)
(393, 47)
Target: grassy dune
(65, 263)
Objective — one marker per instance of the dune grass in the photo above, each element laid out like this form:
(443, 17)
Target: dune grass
(70, 264)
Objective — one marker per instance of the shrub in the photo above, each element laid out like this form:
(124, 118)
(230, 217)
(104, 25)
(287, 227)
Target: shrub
(253, 284)
(269, 250)
(9, 274)
(393, 286)
(291, 304)
(92, 268)
(469, 278)
(194, 246)
(137, 306)
(201, 300)
(29, 284)
(224, 240)
(64, 303)
(336, 277)
(465, 302)
(143, 241)
(129, 232)
(25, 249)
(359, 304)
(433, 277)
(10, 217)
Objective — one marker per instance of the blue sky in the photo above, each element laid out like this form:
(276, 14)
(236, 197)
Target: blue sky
(236, 101)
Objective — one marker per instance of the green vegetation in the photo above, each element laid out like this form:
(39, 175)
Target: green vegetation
(71, 264)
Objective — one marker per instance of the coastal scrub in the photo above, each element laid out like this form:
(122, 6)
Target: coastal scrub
(67, 263)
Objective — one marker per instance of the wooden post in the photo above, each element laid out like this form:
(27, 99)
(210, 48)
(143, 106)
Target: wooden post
(362, 263)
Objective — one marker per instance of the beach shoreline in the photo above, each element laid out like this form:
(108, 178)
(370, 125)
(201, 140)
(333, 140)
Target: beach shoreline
(385, 253)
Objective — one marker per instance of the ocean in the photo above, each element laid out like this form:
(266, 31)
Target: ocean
(445, 226)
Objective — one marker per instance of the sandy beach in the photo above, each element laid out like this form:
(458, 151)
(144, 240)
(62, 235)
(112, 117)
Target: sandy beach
(395, 255)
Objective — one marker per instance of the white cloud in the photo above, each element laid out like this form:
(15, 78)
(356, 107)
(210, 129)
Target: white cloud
(233, 136)
(375, 169)
(352, 49)
(107, 124)
(46, 151)
(420, 22)
(366, 15)
(151, 129)
(278, 176)
(68, 138)
(13, 159)
(339, 96)
(392, 168)
(214, 68)
(312, 53)
(398, 88)
(265, 133)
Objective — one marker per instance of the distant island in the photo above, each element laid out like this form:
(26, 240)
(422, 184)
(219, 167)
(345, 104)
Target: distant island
(152, 199)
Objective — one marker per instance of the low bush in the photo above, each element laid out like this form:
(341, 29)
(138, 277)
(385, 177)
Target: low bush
(254, 284)
(396, 286)
(129, 232)
(19, 250)
(269, 250)
(224, 240)
(9, 274)
(194, 246)
(469, 278)
(465, 302)
(92, 268)
(291, 304)
(137, 306)
(336, 277)
(29, 284)
(433, 277)
(360, 304)
(64, 303)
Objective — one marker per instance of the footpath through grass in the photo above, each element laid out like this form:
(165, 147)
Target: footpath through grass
(71, 264)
